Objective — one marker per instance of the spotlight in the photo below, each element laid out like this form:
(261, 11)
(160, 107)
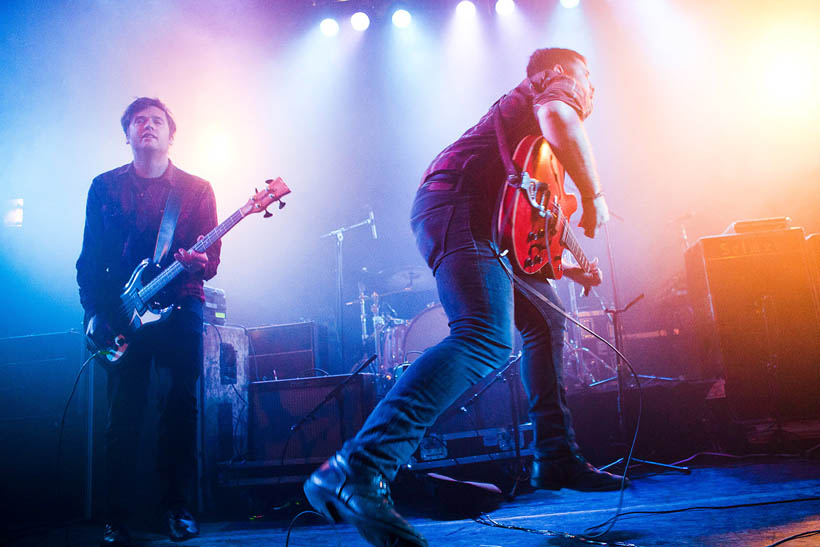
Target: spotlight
(505, 7)
(13, 213)
(465, 9)
(570, 3)
(360, 21)
(402, 18)
(329, 27)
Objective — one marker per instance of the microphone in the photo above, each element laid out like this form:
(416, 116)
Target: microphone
(372, 221)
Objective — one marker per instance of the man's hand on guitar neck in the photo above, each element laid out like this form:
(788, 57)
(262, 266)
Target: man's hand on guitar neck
(595, 214)
(192, 261)
(586, 279)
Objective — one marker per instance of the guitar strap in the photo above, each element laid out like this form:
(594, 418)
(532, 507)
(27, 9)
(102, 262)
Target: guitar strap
(513, 178)
(168, 225)
(513, 174)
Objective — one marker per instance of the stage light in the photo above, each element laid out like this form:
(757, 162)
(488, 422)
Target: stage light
(13, 214)
(329, 27)
(465, 9)
(505, 7)
(570, 3)
(402, 18)
(360, 21)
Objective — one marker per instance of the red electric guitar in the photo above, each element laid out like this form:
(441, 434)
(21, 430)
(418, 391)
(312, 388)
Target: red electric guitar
(110, 332)
(534, 218)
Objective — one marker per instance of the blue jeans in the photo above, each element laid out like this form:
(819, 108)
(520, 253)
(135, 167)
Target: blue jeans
(451, 219)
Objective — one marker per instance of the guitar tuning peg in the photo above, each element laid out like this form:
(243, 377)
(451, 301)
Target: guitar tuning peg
(282, 204)
(267, 214)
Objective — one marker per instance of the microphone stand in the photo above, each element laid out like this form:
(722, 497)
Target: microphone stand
(620, 373)
(339, 235)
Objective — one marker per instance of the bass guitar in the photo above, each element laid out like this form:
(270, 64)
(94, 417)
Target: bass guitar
(533, 220)
(110, 333)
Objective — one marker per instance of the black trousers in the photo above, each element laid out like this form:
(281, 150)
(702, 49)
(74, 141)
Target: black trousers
(175, 348)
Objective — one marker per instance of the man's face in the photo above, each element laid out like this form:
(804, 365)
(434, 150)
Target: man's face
(149, 131)
(578, 70)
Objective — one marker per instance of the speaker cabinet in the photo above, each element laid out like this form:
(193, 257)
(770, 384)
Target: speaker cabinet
(223, 408)
(813, 247)
(280, 352)
(38, 374)
(276, 406)
(757, 319)
(497, 401)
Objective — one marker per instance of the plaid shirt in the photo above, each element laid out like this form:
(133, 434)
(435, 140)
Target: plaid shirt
(123, 214)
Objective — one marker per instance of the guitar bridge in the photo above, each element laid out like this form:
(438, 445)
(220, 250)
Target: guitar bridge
(531, 186)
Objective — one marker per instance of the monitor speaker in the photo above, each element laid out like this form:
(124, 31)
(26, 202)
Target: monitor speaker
(280, 352)
(756, 316)
(276, 406)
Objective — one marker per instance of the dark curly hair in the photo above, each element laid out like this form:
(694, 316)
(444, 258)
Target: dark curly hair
(141, 104)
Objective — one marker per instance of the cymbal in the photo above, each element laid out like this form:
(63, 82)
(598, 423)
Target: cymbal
(407, 278)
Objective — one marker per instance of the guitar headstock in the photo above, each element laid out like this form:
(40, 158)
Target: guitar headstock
(275, 190)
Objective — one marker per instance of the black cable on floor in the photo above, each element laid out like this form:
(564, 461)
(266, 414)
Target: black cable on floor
(486, 520)
(801, 535)
(718, 507)
(309, 512)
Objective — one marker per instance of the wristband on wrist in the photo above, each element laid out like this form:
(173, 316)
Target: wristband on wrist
(592, 198)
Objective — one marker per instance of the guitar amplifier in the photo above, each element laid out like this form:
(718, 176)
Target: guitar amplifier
(223, 407)
(756, 317)
(813, 246)
(38, 373)
(280, 352)
(216, 307)
(275, 406)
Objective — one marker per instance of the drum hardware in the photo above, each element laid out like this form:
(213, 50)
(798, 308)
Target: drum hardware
(339, 235)
(407, 278)
(583, 372)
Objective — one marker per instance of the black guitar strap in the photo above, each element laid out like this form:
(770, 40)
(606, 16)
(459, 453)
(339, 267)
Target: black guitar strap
(513, 174)
(513, 177)
(168, 225)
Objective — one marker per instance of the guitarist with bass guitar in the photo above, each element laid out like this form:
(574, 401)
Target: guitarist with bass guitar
(123, 214)
(492, 237)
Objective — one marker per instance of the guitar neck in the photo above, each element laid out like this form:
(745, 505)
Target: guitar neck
(168, 274)
(569, 241)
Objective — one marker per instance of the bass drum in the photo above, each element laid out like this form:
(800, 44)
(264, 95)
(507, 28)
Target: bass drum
(425, 330)
(429, 328)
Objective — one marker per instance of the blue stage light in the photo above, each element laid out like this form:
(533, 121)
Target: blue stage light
(402, 18)
(360, 21)
(329, 27)
(465, 9)
(505, 7)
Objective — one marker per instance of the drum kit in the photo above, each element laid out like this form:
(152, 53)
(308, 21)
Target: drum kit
(399, 341)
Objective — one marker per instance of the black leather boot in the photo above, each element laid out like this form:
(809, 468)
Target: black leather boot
(115, 535)
(181, 525)
(362, 498)
(575, 473)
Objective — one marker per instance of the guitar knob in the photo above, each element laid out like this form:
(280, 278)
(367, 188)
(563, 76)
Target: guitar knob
(531, 236)
(528, 263)
(538, 259)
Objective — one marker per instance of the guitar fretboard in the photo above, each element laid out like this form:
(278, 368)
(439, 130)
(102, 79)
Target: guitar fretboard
(169, 273)
(569, 241)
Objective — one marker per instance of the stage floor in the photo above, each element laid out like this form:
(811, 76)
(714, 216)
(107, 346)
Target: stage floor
(748, 502)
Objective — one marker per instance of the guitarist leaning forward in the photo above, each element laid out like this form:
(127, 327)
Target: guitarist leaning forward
(123, 214)
(452, 221)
